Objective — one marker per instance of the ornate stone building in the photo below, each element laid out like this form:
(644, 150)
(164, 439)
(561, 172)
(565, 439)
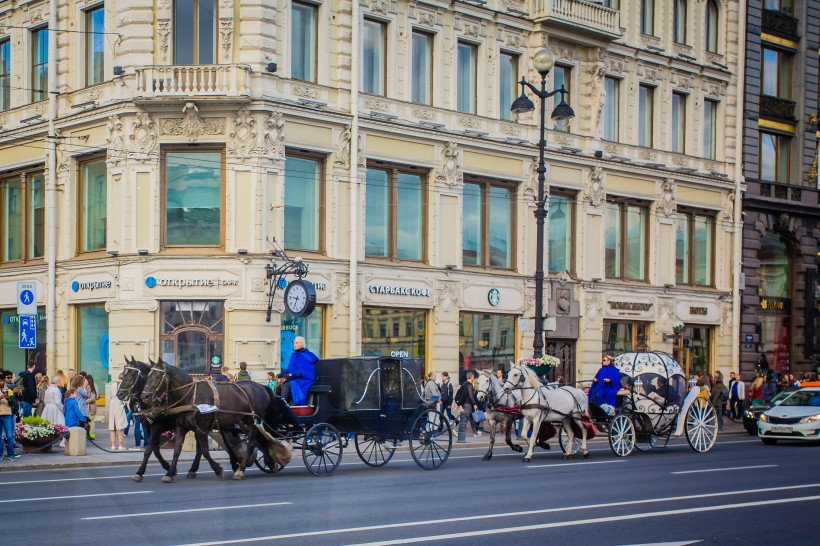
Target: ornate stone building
(781, 229)
(150, 158)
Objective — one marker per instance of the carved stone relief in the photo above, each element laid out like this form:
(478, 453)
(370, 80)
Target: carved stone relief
(163, 31)
(448, 295)
(666, 201)
(594, 193)
(342, 155)
(449, 172)
(531, 185)
(192, 126)
(226, 32)
(274, 142)
(143, 137)
(242, 139)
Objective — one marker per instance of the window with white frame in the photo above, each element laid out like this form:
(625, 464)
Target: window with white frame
(374, 48)
(303, 44)
(467, 56)
(507, 84)
(678, 122)
(610, 117)
(95, 45)
(421, 71)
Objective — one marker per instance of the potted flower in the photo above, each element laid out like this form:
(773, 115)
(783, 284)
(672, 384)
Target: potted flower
(542, 366)
(35, 432)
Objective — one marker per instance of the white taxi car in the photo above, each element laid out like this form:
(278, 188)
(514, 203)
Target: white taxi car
(796, 417)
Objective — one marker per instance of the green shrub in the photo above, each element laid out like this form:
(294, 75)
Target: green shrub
(36, 421)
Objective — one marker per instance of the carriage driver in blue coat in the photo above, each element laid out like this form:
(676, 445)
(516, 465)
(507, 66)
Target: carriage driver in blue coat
(300, 374)
(605, 386)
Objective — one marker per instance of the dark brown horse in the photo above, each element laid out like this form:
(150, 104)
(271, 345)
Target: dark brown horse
(202, 406)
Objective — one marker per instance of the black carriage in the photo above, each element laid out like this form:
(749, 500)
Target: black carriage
(373, 401)
(651, 402)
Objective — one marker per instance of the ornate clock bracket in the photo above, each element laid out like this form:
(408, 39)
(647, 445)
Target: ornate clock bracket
(276, 273)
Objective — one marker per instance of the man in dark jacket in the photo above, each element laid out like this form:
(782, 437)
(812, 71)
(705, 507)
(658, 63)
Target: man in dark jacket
(29, 386)
(447, 396)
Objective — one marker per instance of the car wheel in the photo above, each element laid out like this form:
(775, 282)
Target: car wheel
(769, 441)
(752, 431)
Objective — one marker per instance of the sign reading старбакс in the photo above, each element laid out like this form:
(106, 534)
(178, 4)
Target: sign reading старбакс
(398, 290)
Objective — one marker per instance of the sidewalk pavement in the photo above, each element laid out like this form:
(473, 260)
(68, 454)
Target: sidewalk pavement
(96, 457)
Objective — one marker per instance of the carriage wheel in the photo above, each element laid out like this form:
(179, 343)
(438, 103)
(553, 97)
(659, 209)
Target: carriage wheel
(374, 450)
(259, 461)
(431, 439)
(322, 449)
(562, 441)
(701, 425)
(622, 435)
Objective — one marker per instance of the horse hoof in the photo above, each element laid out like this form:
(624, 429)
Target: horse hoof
(526, 460)
(566, 457)
(221, 474)
(167, 479)
(487, 457)
(191, 475)
(518, 449)
(586, 454)
(238, 475)
(136, 478)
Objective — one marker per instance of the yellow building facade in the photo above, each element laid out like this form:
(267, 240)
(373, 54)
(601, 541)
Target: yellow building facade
(152, 151)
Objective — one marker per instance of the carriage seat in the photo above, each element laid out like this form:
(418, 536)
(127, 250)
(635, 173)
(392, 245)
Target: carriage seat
(310, 407)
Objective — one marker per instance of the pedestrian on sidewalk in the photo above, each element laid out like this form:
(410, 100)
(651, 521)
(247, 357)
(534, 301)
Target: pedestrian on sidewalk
(737, 396)
(432, 394)
(42, 387)
(466, 400)
(719, 397)
(243, 374)
(446, 389)
(29, 390)
(8, 409)
(116, 415)
(53, 411)
(92, 406)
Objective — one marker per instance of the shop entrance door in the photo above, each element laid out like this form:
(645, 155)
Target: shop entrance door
(564, 350)
(192, 335)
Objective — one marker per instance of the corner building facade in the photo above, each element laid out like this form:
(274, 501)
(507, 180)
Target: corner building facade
(374, 140)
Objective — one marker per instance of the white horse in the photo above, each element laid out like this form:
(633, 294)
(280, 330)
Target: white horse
(490, 389)
(540, 404)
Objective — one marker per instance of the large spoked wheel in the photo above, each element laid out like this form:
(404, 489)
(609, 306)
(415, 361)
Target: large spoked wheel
(562, 441)
(322, 449)
(431, 439)
(701, 425)
(622, 435)
(373, 450)
(259, 461)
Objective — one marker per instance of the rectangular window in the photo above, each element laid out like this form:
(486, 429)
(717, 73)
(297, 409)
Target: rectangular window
(39, 64)
(625, 228)
(710, 108)
(193, 198)
(92, 342)
(22, 217)
(679, 24)
(561, 77)
(5, 74)
(507, 84)
(95, 45)
(785, 6)
(93, 205)
(560, 234)
(611, 114)
(646, 107)
(777, 73)
(303, 22)
(488, 225)
(394, 214)
(421, 77)
(195, 32)
(647, 16)
(373, 57)
(466, 78)
(310, 327)
(711, 33)
(694, 247)
(377, 327)
(679, 123)
(303, 199)
(774, 157)
(484, 341)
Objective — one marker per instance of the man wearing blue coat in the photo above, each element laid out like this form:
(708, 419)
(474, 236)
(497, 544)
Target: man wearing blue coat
(300, 374)
(605, 386)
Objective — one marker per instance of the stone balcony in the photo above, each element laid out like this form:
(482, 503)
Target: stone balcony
(193, 81)
(589, 18)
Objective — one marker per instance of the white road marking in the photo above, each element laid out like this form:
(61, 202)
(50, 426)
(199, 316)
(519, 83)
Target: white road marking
(76, 496)
(592, 521)
(725, 469)
(562, 464)
(506, 515)
(75, 479)
(687, 543)
(210, 509)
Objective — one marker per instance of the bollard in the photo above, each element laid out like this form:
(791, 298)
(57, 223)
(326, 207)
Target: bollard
(75, 444)
(190, 442)
(462, 428)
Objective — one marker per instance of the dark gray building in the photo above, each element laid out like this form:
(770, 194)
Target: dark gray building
(780, 327)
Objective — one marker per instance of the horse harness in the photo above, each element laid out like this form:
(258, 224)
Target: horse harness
(546, 407)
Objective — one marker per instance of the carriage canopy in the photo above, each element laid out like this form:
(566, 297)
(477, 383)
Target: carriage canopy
(654, 377)
(371, 383)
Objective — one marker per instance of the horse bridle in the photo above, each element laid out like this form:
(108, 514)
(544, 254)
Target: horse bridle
(131, 390)
(515, 385)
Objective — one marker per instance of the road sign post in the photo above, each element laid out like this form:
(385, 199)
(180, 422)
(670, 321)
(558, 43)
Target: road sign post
(28, 332)
(26, 298)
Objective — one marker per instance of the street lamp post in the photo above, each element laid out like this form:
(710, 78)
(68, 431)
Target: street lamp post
(543, 60)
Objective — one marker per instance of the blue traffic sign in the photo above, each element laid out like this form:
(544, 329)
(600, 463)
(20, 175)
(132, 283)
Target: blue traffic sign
(28, 332)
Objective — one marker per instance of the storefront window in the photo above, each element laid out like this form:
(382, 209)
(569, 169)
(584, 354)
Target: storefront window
(698, 341)
(774, 267)
(485, 342)
(774, 342)
(92, 341)
(191, 334)
(622, 337)
(193, 198)
(385, 332)
(11, 356)
(309, 327)
(302, 202)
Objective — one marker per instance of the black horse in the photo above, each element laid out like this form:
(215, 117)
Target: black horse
(134, 376)
(201, 406)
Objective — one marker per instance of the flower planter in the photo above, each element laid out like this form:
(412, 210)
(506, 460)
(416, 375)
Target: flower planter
(35, 445)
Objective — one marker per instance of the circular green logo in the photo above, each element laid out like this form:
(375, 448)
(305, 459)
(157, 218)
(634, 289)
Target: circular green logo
(215, 359)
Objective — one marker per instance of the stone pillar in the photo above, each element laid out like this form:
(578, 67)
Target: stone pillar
(75, 444)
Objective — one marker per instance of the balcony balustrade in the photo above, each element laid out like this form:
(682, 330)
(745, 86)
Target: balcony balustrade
(780, 23)
(226, 80)
(588, 17)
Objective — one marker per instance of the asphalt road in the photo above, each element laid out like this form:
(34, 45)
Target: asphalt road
(740, 493)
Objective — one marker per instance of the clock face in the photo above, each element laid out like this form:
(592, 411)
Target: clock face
(300, 298)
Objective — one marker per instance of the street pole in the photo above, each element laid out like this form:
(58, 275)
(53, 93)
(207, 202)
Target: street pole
(543, 60)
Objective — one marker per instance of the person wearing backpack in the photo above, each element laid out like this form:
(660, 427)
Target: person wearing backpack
(28, 388)
(719, 396)
(466, 400)
(447, 396)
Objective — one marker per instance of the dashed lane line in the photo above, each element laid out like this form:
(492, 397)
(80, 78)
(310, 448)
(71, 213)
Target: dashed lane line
(96, 495)
(26, 482)
(186, 511)
(724, 469)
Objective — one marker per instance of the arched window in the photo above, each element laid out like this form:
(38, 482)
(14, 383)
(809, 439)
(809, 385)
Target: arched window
(679, 28)
(711, 26)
